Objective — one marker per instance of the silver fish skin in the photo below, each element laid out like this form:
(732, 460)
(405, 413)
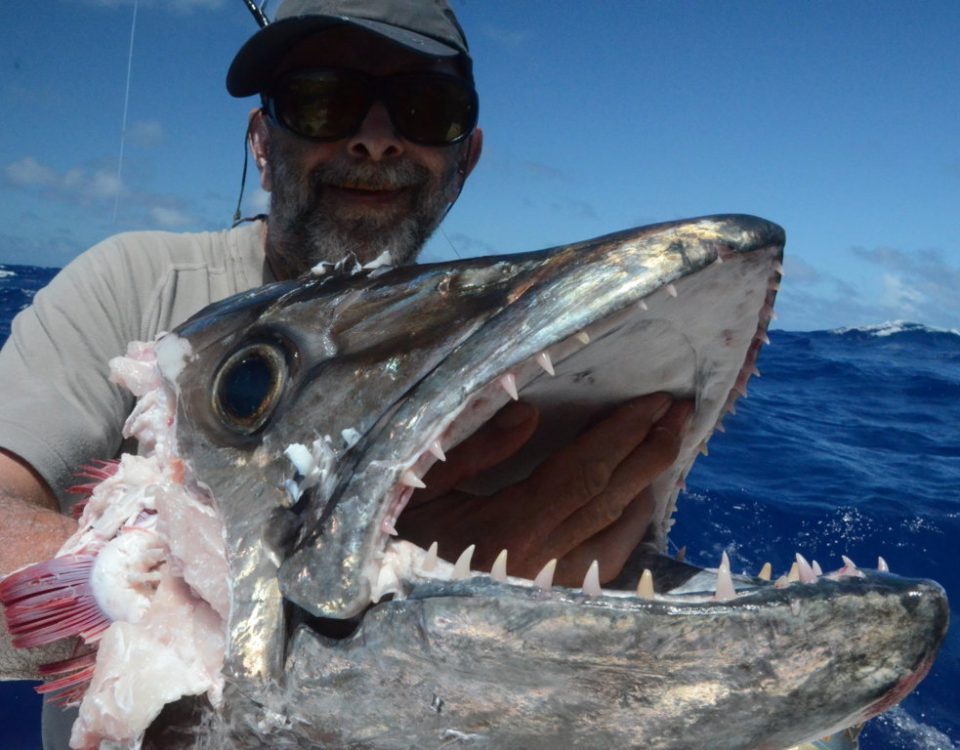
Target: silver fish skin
(342, 636)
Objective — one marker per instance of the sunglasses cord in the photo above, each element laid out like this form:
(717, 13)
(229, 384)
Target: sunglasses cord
(462, 174)
(243, 180)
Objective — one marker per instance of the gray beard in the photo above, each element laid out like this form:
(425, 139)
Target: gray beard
(305, 229)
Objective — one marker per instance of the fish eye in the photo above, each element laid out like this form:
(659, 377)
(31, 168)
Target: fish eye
(248, 386)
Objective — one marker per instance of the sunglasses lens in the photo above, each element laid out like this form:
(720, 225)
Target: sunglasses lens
(432, 109)
(324, 105)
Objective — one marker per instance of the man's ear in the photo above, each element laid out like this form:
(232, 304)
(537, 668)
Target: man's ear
(473, 152)
(258, 137)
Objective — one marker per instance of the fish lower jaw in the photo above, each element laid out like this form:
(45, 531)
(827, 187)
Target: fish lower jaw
(404, 567)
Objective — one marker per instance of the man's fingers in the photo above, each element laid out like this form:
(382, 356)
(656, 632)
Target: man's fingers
(580, 471)
(656, 453)
(494, 442)
(610, 547)
(645, 463)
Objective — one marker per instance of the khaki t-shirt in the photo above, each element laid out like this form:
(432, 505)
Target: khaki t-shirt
(59, 411)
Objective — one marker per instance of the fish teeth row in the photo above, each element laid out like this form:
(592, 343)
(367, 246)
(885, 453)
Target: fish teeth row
(406, 560)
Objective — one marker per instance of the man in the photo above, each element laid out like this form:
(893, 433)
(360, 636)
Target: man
(365, 137)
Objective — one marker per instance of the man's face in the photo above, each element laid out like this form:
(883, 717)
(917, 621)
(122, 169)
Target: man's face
(371, 192)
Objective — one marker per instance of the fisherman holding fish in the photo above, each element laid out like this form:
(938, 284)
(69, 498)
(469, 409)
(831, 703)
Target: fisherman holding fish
(366, 133)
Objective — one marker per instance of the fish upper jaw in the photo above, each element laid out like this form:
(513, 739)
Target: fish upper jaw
(631, 289)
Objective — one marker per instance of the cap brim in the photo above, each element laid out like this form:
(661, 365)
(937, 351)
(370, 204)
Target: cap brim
(255, 63)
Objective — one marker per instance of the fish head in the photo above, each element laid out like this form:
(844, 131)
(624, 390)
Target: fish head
(309, 410)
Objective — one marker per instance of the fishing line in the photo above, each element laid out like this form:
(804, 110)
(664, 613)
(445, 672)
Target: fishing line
(126, 105)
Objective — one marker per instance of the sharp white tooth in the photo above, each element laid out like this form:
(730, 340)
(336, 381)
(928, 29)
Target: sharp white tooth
(766, 572)
(543, 359)
(387, 583)
(817, 570)
(499, 570)
(461, 568)
(764, 337)
(544, 579)
(755, 372)
(387, 527)
(430, 559)
(643, 305)
(719, 260)
(805, 571)
(671, 290)
(509, 383)
(703, 448)
(848, 563)
(583, 337)
(645, 586)
(409, 479)
(591, 581)
(794, 575)
(725, 591)
(778, 267)
(681, 554)
(437, 450)
(720, 427)
(882, 565)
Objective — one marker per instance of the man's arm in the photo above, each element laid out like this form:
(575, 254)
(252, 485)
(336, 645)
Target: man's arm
(31, 530)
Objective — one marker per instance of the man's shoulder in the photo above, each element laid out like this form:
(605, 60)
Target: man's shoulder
(158, 251)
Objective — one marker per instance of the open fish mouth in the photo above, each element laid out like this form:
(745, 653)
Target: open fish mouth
(578, 331)
(308, 415)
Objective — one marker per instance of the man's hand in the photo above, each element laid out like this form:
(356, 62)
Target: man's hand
(589, 501)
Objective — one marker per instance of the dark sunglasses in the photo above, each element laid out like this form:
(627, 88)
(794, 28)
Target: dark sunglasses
(327, 104)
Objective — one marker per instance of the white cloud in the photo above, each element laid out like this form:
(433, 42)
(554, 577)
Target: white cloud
(146, 133)
(503, 35)
(900, 296)
(798, 271)
(170, 218)
(176, 5)
(28, 172)
(74, 185)
(259, 201)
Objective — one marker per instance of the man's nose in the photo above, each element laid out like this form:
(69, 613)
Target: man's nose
(376, 139)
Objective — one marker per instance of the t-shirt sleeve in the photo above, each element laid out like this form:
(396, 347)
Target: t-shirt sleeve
(58, 411)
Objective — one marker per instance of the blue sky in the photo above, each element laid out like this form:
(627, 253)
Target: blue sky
(838, 120)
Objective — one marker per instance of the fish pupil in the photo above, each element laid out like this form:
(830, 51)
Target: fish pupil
(246, 387)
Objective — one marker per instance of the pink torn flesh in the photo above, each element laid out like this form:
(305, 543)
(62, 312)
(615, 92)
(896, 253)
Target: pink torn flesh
(144, 580)
(176, 649)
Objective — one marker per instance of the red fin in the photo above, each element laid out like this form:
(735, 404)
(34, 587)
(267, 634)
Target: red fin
(68, 690)
(97, 471)
(52, 600)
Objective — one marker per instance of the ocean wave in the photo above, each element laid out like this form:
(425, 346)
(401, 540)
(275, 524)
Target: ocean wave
(893, 327)
(5, 274)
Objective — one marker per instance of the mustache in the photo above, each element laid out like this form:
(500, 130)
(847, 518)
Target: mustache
(366, 176)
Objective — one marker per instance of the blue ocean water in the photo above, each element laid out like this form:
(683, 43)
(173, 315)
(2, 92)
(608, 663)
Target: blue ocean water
(849, 443)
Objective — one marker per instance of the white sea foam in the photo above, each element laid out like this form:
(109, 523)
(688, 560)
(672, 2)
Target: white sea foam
(914, 733)
(892, 327)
